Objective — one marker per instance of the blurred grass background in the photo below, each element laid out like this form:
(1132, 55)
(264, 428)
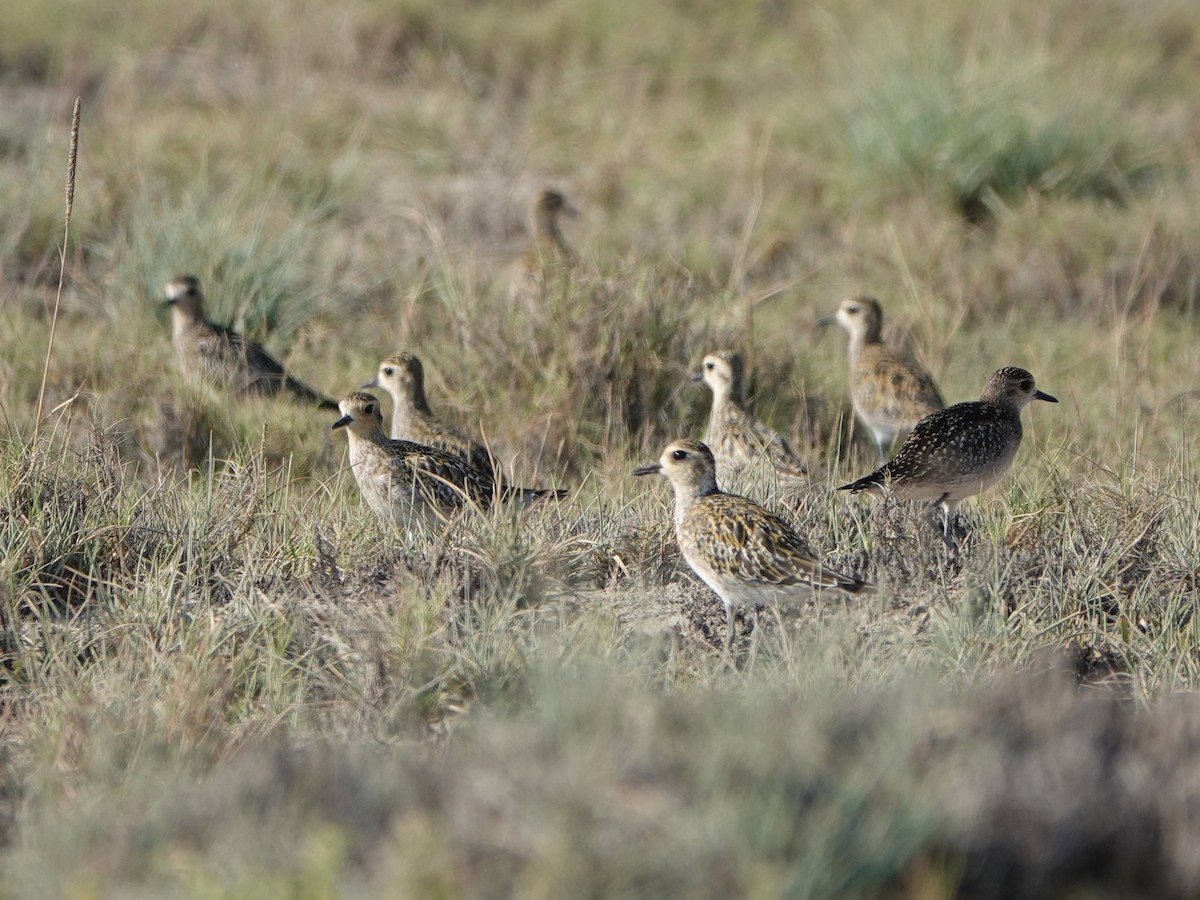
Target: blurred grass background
(221, 677)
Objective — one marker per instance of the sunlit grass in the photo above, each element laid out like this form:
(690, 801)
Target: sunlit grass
(220, 674)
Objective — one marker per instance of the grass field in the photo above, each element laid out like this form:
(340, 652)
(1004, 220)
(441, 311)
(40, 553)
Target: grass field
(222, 676)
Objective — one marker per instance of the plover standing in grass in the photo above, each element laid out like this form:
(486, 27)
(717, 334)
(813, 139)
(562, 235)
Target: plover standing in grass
(890, 392)
(747, 555)
(549, 253)
(220, 355)
(959, 451)
(736, 438)
(403, 481)
(403, 377)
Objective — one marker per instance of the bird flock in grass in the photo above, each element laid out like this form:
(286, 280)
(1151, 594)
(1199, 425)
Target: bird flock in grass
(419, 472)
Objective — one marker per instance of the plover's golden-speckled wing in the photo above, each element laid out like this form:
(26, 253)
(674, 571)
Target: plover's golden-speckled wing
(742, 539)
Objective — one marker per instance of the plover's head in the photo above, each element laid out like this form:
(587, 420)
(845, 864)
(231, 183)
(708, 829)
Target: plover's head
(722, 372)
(548, 205)
(1013, 388)
(360, 413)
(862, 317)
(553, 202)
(402, 376)
(688, 464)
(183, 293)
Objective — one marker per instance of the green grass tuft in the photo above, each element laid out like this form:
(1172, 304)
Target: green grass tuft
(983, 135)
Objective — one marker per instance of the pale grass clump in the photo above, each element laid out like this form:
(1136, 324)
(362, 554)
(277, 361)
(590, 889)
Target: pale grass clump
(595, 784)
(109, 578)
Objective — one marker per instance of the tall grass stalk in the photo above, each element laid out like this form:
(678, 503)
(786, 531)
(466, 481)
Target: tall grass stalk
(72, 158)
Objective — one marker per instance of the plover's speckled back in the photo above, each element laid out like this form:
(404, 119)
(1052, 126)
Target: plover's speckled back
(220, 355)
(747, 555)
(962, 450)
(548, 254)
(890, 392)
(403, 377)
(738, 440)
(402, 481)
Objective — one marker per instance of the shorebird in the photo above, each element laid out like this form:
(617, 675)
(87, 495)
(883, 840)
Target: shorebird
(959, 451)
(403, 377)
(403, 481)
(737, 439)
(890, 392)
(220, 355)
(549, 253)
(747, 555)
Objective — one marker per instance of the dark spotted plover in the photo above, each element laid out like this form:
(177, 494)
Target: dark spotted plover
(403, 377)
(405, 482)
(222, 356)
(959, 451)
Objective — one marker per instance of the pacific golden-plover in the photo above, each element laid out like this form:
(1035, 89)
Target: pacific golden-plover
(403, 481)
(890, 392)
(737, 439)
(549, 254)
(224, 357)
(959, 451)
(747, 555)
(403, 377)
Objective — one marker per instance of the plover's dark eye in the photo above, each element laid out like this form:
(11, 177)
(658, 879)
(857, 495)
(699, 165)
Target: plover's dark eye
(369, 409)
(388, 370)
(710, 366)
(679, 454)
(1027, 385)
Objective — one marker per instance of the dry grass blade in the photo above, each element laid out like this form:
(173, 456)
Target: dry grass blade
(72, 158)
